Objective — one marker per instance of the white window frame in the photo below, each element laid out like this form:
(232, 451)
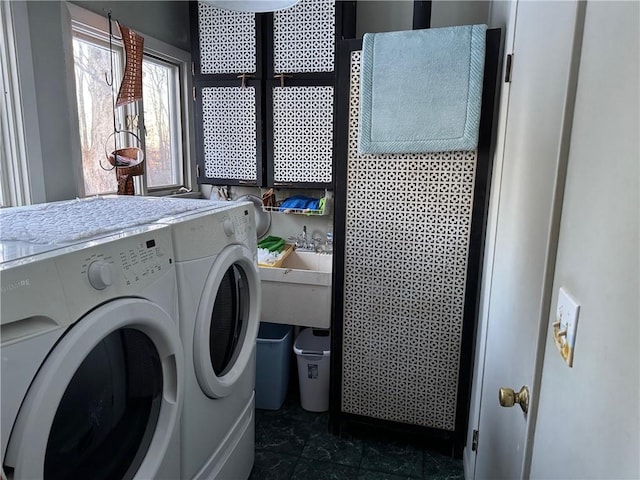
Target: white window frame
(21, 170)
(175, 107)
(97, 26)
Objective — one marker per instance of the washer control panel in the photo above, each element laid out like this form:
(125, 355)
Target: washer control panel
(117, 266)
(141, 261)
(238, 223)
(206, 233)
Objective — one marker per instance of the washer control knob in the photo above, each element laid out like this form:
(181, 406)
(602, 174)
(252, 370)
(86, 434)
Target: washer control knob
(228, 227)
(100, 274)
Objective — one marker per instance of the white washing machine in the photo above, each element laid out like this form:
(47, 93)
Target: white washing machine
(92, 363)
(219, 298)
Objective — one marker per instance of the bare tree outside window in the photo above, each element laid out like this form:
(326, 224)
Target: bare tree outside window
(95, 113)
(159, 115)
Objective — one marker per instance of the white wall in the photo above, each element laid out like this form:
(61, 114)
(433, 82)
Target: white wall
(163, 20)
(396, 15)
(383, 16)
(46, 20)
(588, 423)
(447, 13)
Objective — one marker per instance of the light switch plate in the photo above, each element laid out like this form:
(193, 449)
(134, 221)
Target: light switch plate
(566, 325)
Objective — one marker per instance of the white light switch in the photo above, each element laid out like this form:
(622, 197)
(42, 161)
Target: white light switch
(564, 328)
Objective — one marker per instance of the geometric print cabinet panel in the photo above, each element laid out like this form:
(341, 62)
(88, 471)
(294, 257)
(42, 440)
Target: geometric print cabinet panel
(229, 132)
(408, 223)
(303, 134)
(227, 41)
(289, 139)
(304, 37)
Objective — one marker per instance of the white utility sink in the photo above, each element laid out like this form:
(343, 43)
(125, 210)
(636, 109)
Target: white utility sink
(299, 291)
(302, 260)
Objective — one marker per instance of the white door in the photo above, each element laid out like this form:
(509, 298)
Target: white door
(227, 321)
(522, 236)
(106, 401)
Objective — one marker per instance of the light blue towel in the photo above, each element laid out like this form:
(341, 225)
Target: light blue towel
(421, 90)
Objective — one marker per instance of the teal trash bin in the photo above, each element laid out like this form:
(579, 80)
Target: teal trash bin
(273, 356)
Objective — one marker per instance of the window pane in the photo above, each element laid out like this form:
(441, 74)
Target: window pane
(95, 113)
(162, 124)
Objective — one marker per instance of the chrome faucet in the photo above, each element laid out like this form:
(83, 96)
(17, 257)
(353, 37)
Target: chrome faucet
(303, 242)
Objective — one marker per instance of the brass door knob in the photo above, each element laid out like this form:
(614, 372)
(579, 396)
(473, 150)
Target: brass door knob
(508, 398)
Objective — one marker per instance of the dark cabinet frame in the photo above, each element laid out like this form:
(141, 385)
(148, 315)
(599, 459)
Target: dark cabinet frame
(201, 81)
(264, 81)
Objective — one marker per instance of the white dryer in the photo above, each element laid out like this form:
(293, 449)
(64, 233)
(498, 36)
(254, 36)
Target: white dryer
(219, 298)
(92, 363)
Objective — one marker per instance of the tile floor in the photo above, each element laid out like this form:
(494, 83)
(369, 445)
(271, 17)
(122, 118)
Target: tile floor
(294, 444)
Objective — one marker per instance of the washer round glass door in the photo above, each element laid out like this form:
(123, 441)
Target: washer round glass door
(227, 321)
(107, 394)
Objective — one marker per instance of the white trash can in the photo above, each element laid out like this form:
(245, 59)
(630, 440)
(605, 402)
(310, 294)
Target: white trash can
(313, 352)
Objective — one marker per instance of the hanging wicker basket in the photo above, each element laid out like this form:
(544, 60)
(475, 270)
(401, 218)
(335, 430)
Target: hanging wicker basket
(130, 158)
(128, 163)
(125, 175)
(131, 85)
